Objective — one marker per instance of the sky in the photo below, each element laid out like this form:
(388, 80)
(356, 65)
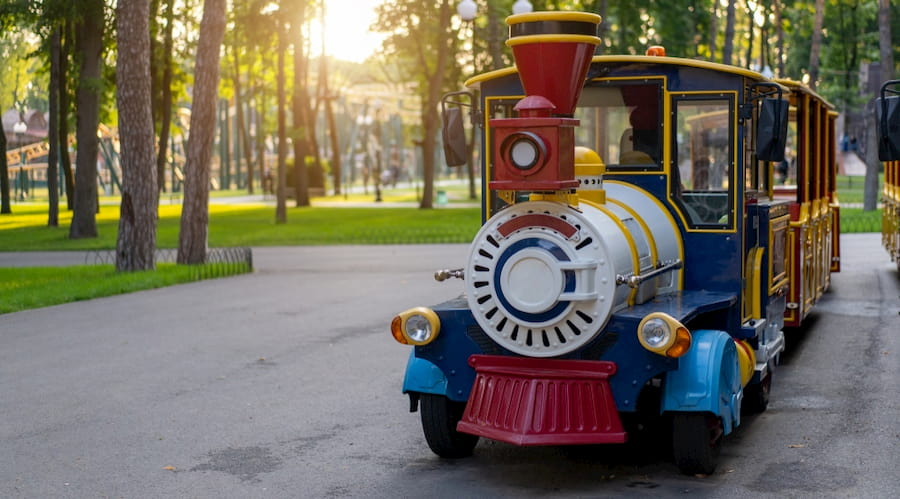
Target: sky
(347, 33)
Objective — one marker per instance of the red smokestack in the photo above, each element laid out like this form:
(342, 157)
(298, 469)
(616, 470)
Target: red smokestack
(553, 51)
(536, 151)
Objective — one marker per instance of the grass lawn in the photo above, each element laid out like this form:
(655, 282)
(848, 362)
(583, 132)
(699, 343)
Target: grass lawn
(253, 225)
(25, 288)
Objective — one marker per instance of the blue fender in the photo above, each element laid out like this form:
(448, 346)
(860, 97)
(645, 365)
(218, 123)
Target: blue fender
(424, 377)
(707, 379)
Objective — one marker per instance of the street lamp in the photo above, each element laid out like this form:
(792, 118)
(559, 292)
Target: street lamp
(19, 129)
(521, 7)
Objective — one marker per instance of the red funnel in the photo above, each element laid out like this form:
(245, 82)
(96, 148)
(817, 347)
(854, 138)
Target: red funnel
(553, 51)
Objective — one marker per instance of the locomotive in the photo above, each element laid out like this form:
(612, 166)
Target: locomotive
(887, 118)
(635, 258)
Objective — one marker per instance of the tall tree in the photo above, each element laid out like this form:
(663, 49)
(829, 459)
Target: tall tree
(165, 97)
(53, 127)
(89, 39)
(728, 46)
(280, 204)
(192, 238)
(136, 243)
(419, 34)
(815, 47)
(300, 134)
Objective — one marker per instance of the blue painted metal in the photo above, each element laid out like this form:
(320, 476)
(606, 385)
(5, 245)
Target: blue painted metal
(707, 379)
(423, 377)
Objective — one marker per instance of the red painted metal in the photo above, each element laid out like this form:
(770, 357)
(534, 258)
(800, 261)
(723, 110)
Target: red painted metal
(528, 401)
(554, 70)
(537, 220)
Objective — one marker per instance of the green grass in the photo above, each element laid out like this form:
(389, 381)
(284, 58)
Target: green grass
(253, 225)
(851, 189)
(25, 288)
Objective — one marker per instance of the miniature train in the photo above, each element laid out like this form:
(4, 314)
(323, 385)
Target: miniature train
(887, 117)
(645, 242)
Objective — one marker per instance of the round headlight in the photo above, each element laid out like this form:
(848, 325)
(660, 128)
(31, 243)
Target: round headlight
(418, 329)
(525, 150)
(416, 326)
(655, 334)
(523, 154)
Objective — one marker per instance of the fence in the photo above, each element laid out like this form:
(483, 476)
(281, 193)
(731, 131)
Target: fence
(220, 262)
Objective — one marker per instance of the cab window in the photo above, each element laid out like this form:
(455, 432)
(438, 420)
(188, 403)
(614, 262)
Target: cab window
(621, 121)
(703, 160)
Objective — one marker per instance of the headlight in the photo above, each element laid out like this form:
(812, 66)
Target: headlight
(416, 326)
(525, 150)
(663, 335)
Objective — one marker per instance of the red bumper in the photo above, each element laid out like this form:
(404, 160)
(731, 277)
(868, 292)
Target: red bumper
(527, 401)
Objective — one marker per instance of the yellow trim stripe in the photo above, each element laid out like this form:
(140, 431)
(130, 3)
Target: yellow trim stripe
(528, 39)
(553, 16)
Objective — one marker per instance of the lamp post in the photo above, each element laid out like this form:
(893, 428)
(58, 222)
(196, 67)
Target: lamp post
(19, 129)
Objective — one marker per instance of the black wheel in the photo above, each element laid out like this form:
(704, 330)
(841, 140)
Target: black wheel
(696, 442)
(439, 418)
(756, 397)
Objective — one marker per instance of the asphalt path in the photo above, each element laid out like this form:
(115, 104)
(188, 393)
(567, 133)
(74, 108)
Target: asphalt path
(286, 383)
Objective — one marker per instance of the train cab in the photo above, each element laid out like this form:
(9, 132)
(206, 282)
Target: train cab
(635, 257)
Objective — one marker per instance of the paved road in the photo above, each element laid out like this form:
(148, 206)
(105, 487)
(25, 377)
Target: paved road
(285, 383)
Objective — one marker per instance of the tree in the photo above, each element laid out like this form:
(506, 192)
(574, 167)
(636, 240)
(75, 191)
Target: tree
(165, 96)
(815, 47)
(728, 47)
(424, 41)
(53, 127)
(192, 238)
(89, 39)
(136, 244)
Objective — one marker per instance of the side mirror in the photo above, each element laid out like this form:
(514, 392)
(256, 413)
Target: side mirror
(454, 137)
(771, 129)
(887, 118)
(453, 132)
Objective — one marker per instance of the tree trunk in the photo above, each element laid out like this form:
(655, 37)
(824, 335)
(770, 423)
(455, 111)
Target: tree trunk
(89, 44)
(430, 117)
(136, 243)
(779, 38)
(165, 119)
(65, 159)
(192, 239)
(280, 203)
(242, 127)
(870, 186)
(729, 33)
(815, 46)
(53, 130)
(5, 208)
(300, 104)
(884, 40)
(713, 31)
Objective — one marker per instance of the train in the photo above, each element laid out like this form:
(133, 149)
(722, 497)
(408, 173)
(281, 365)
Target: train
(645, 242)
(887, 122)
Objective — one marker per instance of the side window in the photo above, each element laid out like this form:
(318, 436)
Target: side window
(703, 162)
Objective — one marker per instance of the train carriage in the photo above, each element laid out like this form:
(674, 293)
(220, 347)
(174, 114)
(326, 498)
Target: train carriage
(634, 259)
(810, 187)
(888, 130)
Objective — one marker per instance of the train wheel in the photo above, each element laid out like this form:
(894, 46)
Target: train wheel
(439, 418)
(696, 442)
(756, 397)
